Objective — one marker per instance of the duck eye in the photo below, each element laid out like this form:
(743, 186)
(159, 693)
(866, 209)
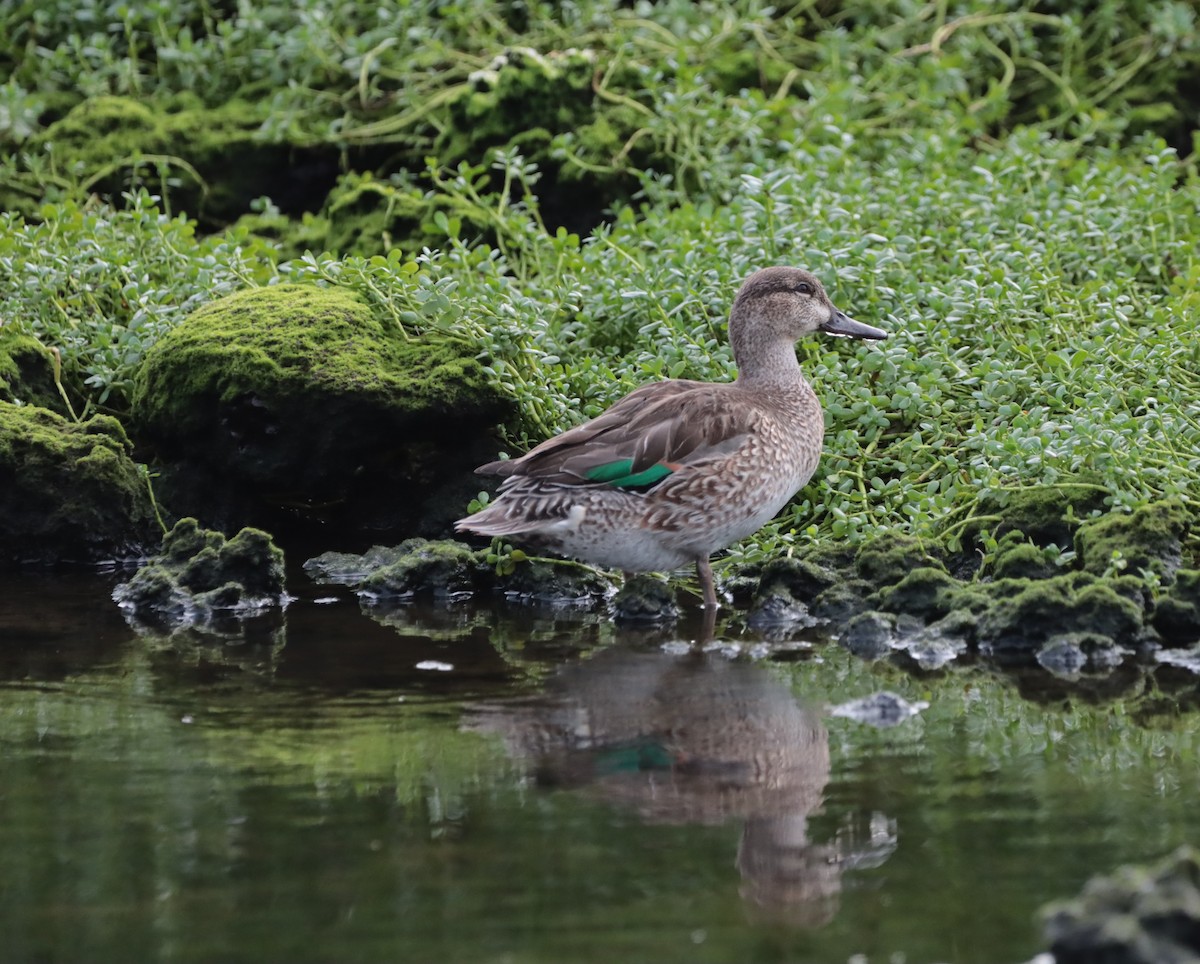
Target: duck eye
(804, 288)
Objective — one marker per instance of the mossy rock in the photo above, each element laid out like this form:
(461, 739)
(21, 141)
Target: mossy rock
(1177, 614)
(216, 158)
(1150, 538)
(803, 579)
(644, 599)
(27, 371)
(277, 399)
(926, 592)
(199, 573)
(69, 491)
(1046, 514)
(888, 558)
(553, 581)
(1024, 614)
(442, 567)
(1015, 558)
(1139, 915)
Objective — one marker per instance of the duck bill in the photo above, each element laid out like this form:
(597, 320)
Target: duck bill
(841, 325)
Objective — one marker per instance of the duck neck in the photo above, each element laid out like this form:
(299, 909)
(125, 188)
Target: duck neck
(767, 363)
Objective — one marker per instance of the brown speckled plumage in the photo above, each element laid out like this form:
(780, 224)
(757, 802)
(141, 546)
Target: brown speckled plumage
(678, 469)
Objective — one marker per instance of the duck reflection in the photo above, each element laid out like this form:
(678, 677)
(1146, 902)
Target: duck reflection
(691, 739)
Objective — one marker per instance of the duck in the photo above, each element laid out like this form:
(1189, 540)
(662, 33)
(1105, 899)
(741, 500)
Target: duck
(678, 470)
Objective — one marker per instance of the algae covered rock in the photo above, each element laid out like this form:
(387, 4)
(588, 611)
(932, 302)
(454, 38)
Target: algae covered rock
(1139, 915)
(69, 491)
(298, 401)
(200, 575)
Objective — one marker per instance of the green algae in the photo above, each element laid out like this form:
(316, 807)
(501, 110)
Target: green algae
(69, 491)
(1046, 514)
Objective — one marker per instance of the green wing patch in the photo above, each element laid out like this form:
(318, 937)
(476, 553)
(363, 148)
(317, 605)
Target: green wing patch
(619, 474)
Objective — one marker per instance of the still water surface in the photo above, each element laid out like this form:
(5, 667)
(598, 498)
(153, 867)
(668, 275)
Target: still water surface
(513, 785)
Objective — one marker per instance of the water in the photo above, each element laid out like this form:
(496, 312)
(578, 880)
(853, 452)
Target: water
(564, 792)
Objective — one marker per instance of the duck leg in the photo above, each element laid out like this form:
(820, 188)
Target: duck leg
(707, 584)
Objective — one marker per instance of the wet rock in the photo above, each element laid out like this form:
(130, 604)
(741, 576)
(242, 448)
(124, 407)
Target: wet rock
(926, 592)
(296, 402)
(443, 567)
(1027, 613)
(841, 602)
(542, 581)
(349, 568)
(779, 609)
(201, 575)
(887, 559)
(932, 647)
(801, 579)
(1139, 915)
(1149, 538)
(644, 599)
(881, 709)
(1176, 614)
(870, 635)
(70, 491)
(1188, 659)
(1070, 655)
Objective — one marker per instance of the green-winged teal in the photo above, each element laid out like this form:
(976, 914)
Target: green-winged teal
(678, 469)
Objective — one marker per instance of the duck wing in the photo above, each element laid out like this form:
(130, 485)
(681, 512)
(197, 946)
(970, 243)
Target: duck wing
(649, 434)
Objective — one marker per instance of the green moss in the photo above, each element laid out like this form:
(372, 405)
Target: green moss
(1149, 538)
(888, 558)
(290, 342)
(186, 539)
(69, 491)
